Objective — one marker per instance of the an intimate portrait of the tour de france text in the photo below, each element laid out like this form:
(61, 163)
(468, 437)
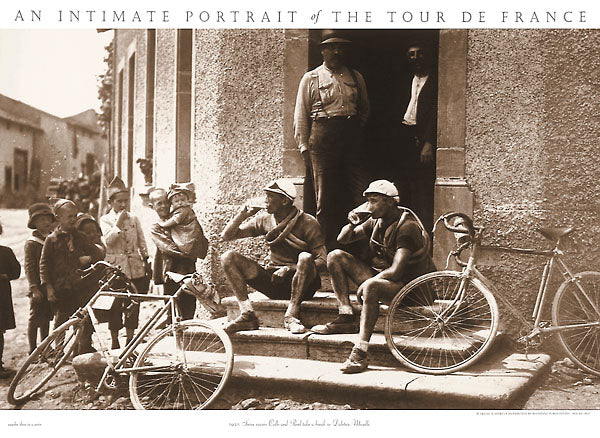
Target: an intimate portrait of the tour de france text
(329, 210)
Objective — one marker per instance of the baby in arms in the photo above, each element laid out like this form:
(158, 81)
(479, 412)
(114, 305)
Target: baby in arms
(185, 229)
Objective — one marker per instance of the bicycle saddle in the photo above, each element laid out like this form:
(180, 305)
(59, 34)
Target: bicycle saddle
(177, 278)
(554, 234)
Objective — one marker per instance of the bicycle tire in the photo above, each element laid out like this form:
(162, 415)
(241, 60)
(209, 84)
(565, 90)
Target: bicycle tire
(44, 362)
(194, 360)
(569, 307)
(423, 343)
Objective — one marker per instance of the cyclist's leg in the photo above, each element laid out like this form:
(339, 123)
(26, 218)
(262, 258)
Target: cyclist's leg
(343, 267)
(374, 291)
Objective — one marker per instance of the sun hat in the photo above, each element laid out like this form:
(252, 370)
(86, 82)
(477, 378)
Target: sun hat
(189, 189)
(39, 209)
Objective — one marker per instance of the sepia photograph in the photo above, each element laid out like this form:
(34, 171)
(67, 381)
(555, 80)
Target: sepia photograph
(400, 216)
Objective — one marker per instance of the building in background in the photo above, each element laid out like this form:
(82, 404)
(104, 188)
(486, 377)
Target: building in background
(36, 146)
(517, 125)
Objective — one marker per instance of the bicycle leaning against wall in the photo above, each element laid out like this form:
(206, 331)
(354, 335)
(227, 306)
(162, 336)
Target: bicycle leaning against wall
(184, 366)
(445, 321)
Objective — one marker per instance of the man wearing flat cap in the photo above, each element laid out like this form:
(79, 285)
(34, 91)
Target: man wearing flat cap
(331, 111)
(297, 255)
(399, 252)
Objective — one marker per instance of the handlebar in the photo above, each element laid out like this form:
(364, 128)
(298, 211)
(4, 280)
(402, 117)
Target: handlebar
(463, 226)
(102, 264)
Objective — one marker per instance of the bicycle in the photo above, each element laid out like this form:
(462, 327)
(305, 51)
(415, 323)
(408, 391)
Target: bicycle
(185, 366)
(445, 321)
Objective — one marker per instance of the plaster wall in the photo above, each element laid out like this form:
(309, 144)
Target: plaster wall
(238, 95)
(532, 101)
(237, 124)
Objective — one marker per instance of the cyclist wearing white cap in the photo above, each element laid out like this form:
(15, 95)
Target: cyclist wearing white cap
(297, 255)
(399, 247)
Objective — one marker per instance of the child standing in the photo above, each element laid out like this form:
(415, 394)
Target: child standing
(10, 269)
(65, 251)
(126, 248)
(185, 229)
(41, 221)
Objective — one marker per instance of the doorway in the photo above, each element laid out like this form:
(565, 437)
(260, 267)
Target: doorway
(380, 56)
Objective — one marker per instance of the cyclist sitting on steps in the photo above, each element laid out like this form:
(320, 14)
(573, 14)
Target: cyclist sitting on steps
(399, 247)
(297, 255)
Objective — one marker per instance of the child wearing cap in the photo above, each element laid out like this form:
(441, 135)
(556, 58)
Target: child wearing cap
(41, 221)
(125, 247)
(65, 251)
(185, 229)
(10, 269)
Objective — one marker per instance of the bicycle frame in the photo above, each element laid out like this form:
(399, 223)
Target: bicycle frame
(554, 259)
(119, 367)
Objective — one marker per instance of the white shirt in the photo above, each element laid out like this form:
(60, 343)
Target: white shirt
(410, 117)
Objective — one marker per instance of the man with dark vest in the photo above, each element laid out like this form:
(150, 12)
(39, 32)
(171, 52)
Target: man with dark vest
(414, 160)
(331, 111)
(297, 255)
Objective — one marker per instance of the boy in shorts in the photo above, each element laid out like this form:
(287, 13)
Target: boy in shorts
(41, 221)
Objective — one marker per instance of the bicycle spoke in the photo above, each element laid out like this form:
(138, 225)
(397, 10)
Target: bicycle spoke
(439, 323)
(200, 361)
(576, 303)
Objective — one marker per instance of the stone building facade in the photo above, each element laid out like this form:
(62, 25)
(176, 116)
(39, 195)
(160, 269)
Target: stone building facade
(517, 126)
(36, 146)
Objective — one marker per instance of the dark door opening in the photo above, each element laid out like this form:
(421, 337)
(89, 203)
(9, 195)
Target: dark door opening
(380, 56)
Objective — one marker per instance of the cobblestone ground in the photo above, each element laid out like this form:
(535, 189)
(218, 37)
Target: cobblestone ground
(564, 387)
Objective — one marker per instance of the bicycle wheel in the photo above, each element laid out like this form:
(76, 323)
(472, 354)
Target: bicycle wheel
(185, 366)
(44, 362)
(578, 302)
(429, 332)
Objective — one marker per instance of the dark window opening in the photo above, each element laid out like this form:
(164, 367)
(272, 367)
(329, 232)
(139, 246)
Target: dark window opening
(8, 179)
(184, 104)
(150, 91)
(21, 170)
(120, 123)
(130, 113)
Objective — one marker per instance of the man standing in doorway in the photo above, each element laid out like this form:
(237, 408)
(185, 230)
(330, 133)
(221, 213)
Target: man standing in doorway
(418, 133)
(331, 111)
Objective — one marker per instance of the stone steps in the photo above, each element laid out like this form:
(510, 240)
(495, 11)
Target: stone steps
(321, 309)
(496, 382)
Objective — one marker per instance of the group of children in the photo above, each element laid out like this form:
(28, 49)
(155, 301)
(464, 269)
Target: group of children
(63, 241)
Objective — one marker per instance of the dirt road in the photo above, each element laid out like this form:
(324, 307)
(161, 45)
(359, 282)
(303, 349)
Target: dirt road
(564, 388)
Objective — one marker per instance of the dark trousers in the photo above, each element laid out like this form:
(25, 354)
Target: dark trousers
(125, 313)
(337, 159)
(415, 181)
(186, 303)
(68, 301)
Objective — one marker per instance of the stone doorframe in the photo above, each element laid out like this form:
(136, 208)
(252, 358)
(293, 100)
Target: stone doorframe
(452, 192)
